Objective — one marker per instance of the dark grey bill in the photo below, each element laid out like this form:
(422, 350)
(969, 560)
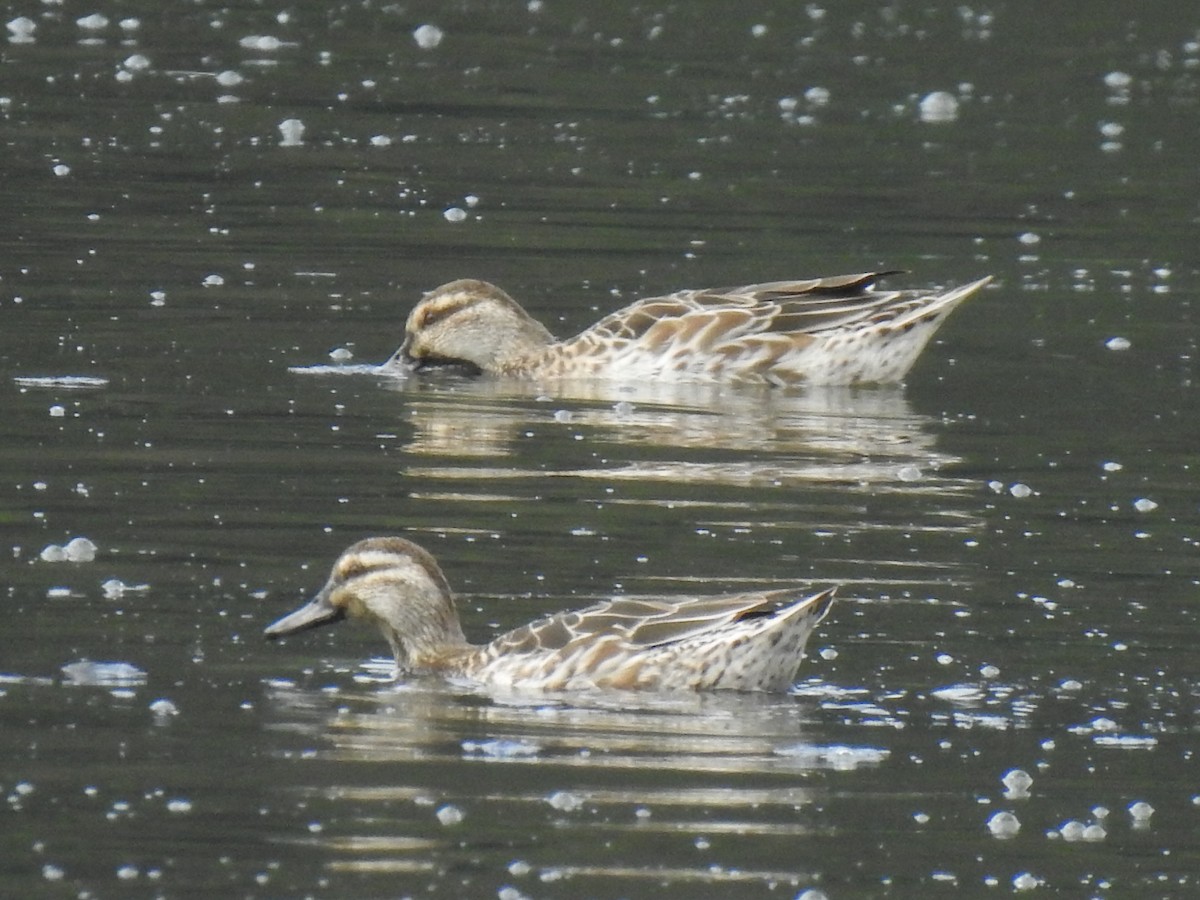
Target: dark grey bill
(319, 611)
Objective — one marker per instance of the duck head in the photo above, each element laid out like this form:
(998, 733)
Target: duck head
(397, 586)
(470, 324)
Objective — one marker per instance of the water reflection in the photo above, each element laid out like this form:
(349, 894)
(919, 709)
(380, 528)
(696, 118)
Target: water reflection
(397, 771)
(780, 437)
(687, 733)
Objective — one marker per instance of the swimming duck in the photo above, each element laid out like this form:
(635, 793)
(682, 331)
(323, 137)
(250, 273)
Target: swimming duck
(745, 642)
(834, 331)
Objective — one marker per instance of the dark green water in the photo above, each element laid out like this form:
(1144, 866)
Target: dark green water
(1006, 602)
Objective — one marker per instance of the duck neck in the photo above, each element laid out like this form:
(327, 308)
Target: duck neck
(430, 644)
(523, 342)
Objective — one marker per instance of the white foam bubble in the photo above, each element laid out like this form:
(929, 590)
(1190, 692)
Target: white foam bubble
(1071, 830)
(21, 29)
(450, 815)
(115, 588)
(1141, 811)
(163, 708)
(80, 549)
(1003, 825)
(938, 106)
(565, 801)
(260, 42)
(817, 96)
(94, 22)
(1017, 782)
(291, 132)
(1026, 882)
(428, 36)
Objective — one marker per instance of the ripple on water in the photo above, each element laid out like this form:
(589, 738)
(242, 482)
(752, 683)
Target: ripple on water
(103, 674)
(343, 369)
(837, 757)
(1125, 741)
(67, 382)
(500, 749)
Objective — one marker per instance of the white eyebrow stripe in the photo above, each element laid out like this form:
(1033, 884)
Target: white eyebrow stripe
(368, 560)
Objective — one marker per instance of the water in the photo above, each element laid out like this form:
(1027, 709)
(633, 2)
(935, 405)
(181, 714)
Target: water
(1014, 531)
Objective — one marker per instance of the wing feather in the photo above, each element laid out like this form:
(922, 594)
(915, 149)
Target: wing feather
(640, 623)
(706, 318)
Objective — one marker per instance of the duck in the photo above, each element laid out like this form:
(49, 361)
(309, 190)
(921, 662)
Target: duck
(742, 642)
(838, 330)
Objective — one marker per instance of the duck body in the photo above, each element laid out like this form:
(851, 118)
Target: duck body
(829, 331)
(748, 642)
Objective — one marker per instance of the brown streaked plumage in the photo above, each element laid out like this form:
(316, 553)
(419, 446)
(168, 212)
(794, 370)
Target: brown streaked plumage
(837, 330)
(746, 642)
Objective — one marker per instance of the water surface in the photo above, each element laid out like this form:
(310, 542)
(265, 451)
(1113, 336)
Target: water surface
(1014, 531)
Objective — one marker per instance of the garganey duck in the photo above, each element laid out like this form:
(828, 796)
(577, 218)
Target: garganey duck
(744, 642)
(834, 331)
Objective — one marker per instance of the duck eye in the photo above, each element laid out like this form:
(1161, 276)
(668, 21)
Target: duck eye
(434, 314)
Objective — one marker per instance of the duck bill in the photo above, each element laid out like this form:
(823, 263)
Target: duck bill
(401, 361)
(319, 611)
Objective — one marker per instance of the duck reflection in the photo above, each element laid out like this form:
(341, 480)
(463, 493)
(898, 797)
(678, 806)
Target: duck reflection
(420, 776)
(421, 719)
(772, 437)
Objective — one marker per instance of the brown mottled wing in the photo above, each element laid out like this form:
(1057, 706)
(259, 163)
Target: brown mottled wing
(642, 622)
(776, 307)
